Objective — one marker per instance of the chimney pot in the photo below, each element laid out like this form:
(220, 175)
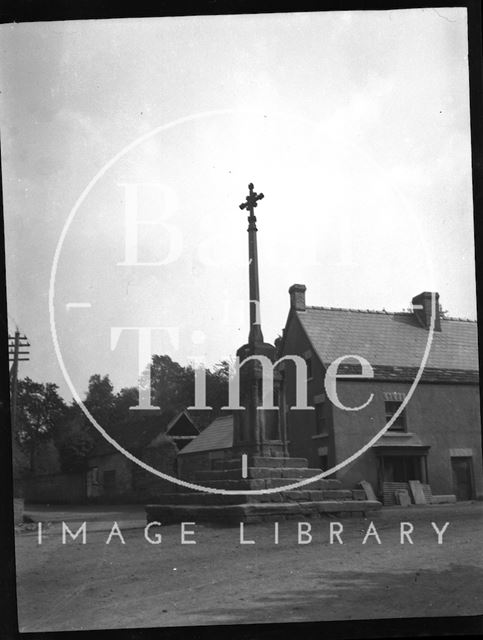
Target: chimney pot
(297, 297)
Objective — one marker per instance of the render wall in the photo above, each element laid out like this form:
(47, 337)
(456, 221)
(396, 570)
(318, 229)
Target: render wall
(446, 417)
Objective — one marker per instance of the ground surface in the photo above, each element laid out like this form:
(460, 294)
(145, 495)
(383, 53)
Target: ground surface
(220, 581)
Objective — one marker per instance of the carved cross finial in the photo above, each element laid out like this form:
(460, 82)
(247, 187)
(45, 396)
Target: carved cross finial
(251, 199)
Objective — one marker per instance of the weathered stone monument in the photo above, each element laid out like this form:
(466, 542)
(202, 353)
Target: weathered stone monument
(257, 431)
(260, 459)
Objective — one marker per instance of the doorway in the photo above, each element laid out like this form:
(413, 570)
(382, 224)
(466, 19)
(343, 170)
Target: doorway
(462, 478)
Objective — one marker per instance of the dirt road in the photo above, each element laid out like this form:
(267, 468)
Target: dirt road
(218, 580)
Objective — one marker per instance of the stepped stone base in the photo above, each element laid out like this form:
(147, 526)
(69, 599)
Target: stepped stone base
(257, 512)
(314, 499)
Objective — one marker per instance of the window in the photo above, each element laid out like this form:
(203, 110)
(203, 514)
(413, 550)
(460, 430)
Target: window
(320, 421)
(324, 462)
(95, 475)
(400, 423)
(402, 468)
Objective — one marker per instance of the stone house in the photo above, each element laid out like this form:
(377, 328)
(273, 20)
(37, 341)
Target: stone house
(155, 440)
(436, 438)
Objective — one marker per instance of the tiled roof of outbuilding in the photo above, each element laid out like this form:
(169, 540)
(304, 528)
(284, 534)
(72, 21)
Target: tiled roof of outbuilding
(218, 435)
(390, 339)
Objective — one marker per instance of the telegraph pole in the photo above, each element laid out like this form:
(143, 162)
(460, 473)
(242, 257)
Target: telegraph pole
(17, 352)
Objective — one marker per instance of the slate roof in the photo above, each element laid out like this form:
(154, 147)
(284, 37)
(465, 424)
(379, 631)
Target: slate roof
(217, 435)
(390, 339)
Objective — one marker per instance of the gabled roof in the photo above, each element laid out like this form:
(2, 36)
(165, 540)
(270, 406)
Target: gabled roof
(217, 435)
(389, 339)
(182, 425)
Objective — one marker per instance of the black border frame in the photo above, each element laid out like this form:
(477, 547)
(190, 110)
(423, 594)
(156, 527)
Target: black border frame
(52, 10)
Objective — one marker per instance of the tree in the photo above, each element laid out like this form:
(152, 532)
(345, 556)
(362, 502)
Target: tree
(172, 385)
(20, 461)
(217, 387)
(100, 399)
(75, 442)
(173, 388)
(126, 398)
(40, 411)
(77, 437)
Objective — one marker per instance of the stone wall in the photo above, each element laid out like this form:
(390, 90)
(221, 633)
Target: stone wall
(190, 463)
(119, 468)
(58, 488)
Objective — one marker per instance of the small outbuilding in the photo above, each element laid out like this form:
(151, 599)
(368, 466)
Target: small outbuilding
(208, 450)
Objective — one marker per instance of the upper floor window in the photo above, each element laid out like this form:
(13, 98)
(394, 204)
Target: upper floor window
(399, 423)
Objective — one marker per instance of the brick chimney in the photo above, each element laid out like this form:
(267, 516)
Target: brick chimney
(297, 297)
(422, 310)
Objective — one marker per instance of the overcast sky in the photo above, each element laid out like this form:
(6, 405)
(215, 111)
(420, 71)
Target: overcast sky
(355, 125)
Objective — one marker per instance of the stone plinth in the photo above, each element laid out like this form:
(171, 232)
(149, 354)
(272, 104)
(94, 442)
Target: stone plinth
(319, 497)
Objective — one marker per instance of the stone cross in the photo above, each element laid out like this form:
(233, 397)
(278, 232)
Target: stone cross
(255, 335)
(251, 202)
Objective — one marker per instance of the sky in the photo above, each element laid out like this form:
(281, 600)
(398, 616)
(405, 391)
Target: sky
(354, 125)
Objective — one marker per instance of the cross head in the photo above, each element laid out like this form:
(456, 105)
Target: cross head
(251, 199)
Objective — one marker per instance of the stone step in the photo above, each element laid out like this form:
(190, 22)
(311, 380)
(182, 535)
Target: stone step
(252, 484)
(256, 512)
(313, 485)
(270, 462)
(256, 473)
(200, 499)
(284, 496)
(306, 495)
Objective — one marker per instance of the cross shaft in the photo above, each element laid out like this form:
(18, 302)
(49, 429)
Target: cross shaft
(255, 336)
